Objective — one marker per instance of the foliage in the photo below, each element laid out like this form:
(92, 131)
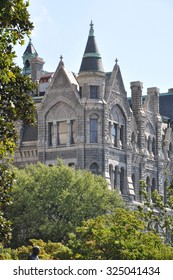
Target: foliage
(49, 202)
(157, 213)
(15, 102)
(117, 236)
(48, 251)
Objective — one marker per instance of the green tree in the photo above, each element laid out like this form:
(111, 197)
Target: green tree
(15, 102)
(156, 212)
(49, 202)
(117, 236)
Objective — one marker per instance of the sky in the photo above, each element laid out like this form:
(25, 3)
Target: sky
(139, 33)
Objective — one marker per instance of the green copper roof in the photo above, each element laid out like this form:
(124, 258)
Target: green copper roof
(91, 59)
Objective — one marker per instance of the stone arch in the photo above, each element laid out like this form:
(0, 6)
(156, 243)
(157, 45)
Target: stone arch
(94, 116)
(94, 168)
(61, 110)
(150, 128)
(118, 115)
(117, 127)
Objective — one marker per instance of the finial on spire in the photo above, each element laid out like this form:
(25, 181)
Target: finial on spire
(116, 61)
(91, 33)
(61, 63)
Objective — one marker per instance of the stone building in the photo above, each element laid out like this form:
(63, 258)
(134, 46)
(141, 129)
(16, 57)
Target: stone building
(88, 121)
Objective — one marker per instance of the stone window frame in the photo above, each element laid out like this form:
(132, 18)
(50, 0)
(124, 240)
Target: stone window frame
(53, 137)
(94, 117)
(118, 118)
(94, 92)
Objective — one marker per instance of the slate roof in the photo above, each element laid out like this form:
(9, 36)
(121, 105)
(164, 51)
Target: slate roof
(91, 60)
(166, 105)
(30, 49)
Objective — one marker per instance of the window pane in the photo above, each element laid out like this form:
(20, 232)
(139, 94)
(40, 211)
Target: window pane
(93, 130)
(62, 133)
(114, 134)
(94, 168)
(73, 131)
(50, 134)
(93, 91)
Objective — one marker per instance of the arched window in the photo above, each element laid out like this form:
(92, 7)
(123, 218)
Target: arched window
(27, 63)
(153, 185)
(122, 180)
(133, 181)
(133, 139)
(117, 124)
(148, 184)
(71, 164)
(170, 151)
(94, 128)
(94, 168)
(153, 188)
(165, 191)
(111, 173)
(154, 146)
(148, 144)
(116, 177)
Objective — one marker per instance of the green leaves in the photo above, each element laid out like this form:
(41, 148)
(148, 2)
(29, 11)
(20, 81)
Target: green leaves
(49, 202)
(117, 236)
(15, 102)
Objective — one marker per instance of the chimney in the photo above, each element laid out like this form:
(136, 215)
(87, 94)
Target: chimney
(153, 93)
(36, 68)
(136, 94)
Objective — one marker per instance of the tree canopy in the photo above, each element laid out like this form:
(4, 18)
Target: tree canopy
(49, 202)
(15, 101)
(117, 236)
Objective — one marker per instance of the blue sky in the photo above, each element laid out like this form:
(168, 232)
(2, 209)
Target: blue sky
(139, 33)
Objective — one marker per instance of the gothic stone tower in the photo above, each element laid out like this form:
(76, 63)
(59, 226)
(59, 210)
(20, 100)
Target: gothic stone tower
(88, 121)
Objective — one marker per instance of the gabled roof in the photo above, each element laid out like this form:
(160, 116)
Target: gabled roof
(91, 60)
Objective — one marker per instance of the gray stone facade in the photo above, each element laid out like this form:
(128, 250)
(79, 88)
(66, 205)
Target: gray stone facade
(88, 121)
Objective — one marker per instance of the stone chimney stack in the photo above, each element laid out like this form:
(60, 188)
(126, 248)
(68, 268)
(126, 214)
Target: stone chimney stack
(136, 93)
(36, 68)
(153, 94)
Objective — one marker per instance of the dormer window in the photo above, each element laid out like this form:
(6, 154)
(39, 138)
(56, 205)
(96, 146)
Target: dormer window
(94, 92)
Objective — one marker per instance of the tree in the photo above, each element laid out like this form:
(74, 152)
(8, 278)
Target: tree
(117, 236)
(15, 102)
(49, 202)
(157, 213)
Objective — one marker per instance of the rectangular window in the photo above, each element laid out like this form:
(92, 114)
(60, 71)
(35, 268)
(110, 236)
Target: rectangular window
(94, 92)
(50, 134)
(73, 132)
(93, 131)
(62, 133)
(114, 134)
(122, 136)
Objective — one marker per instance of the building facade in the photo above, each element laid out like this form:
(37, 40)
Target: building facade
(88, 121)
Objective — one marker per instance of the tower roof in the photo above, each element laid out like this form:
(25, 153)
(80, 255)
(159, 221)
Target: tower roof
(91, 60)
(30, 49)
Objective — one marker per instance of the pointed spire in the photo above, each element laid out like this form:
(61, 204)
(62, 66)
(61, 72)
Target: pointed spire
(91, 32)
(61, 63)
(30, 50)
(116, 64)
(91, 59)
